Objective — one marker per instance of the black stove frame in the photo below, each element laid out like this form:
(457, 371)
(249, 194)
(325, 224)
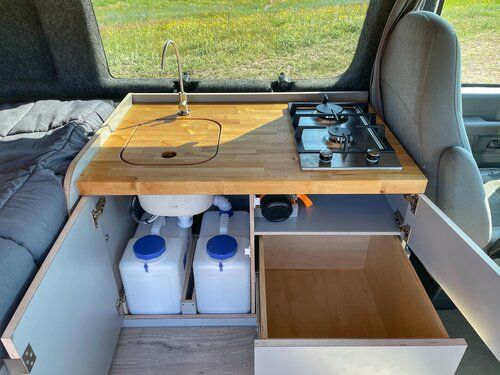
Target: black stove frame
(362, 111)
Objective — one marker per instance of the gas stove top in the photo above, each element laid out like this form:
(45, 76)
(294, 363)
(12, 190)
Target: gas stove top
(331, 136)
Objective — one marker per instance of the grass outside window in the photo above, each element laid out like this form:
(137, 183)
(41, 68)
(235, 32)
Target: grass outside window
(258, 39)
(233, 39)
(477, 24)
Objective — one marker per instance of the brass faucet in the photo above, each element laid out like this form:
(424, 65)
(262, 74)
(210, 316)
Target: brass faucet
(183, 104)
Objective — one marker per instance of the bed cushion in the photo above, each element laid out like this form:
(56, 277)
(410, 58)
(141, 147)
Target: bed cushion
(32, 209)
(17, 269)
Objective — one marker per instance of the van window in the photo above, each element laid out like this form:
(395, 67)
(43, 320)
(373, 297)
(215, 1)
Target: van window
(231, 39)
(477, 25)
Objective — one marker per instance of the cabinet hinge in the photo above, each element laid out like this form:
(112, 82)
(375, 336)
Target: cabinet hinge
(121, 306)
(98, 210)
(23, 365)
(256, 201)
(413, 200)
(405, 229)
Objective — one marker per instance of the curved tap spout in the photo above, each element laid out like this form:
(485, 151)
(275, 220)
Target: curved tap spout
(183, 104)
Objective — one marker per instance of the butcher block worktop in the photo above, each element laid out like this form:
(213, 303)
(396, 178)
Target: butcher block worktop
(255, 155)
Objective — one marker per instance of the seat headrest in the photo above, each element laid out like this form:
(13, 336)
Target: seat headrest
(420, 81)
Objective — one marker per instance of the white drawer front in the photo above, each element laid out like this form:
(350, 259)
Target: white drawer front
(328, 357)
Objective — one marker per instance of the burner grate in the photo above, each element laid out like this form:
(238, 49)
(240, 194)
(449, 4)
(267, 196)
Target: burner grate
(295, 106)
(348, 135)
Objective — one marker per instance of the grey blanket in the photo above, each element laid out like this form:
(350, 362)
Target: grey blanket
(48, 133)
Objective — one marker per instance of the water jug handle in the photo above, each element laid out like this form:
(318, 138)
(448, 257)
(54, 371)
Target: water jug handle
(157, 224)
(224, 223)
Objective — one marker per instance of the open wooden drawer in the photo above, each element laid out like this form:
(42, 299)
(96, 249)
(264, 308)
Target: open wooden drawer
(346, 304)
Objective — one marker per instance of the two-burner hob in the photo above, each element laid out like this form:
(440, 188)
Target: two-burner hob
(332, 136)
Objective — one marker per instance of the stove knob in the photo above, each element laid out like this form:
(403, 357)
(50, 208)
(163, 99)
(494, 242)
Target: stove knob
(325, 155)
(372, 155)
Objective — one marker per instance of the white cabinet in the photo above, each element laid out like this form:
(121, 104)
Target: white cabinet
(339, 299)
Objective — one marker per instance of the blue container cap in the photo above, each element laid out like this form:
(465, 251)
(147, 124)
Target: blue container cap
(149, 247)
(222, 247)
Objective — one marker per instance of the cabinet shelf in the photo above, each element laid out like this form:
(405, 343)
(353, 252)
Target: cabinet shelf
(336, 214)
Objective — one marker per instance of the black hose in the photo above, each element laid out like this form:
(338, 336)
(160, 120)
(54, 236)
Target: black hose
(148, 220)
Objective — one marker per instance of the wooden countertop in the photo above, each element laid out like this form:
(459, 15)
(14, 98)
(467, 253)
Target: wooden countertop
(256, 155)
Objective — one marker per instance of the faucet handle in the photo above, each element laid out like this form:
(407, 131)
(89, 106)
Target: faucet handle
(183, 108)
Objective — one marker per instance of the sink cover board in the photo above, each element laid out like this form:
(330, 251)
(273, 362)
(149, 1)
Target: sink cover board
(173, 141)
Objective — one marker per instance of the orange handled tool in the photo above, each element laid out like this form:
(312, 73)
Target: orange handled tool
(305, 199)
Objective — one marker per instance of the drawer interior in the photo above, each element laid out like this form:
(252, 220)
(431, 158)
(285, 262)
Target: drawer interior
(342, 287)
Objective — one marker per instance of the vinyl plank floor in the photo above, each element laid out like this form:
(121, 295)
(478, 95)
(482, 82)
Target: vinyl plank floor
(184, 350)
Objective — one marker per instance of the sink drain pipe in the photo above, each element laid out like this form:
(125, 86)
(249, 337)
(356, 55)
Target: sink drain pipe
(221, 202)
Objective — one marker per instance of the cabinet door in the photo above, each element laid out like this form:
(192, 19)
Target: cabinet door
(118, 228)
(469, 277)
(68, 317)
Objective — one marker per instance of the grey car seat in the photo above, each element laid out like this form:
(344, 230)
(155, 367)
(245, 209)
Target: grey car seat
(420, 90)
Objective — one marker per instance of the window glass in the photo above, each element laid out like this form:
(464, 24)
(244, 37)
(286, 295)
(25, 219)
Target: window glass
(231, 39)
(477, 24)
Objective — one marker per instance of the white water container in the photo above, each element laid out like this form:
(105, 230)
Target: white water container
(153, 267)
(221, 268)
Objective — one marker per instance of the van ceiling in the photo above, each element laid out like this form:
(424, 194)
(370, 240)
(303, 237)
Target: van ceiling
(53, 49)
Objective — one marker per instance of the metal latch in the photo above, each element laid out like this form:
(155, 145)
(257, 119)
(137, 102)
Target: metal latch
(413, 200)
(98, 210)
(405, 229)
(23, 365)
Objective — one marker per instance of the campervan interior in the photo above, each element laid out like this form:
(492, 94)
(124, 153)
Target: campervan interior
(249, 187)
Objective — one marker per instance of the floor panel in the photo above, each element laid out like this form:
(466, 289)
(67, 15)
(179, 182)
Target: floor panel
(229, 350)
(192, 350)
